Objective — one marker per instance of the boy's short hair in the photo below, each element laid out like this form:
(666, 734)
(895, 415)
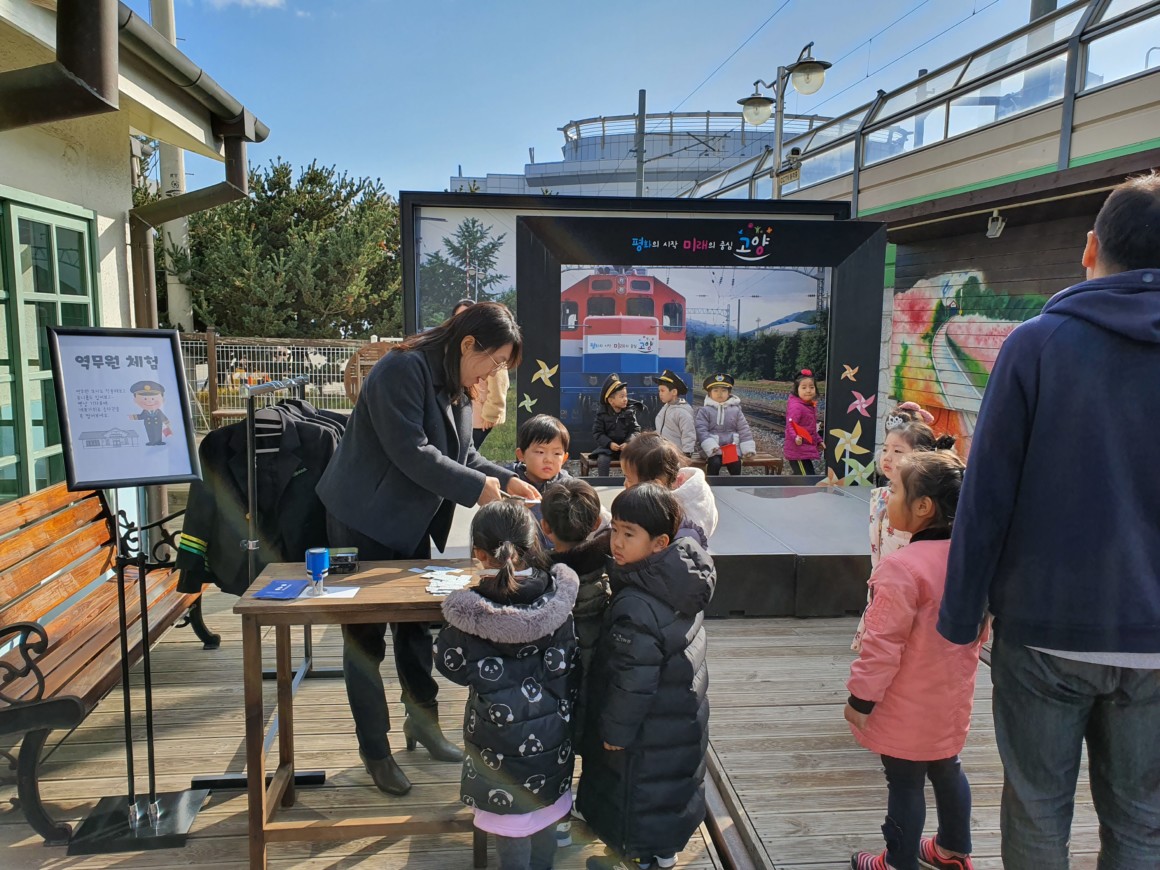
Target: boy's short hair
(542, 429)
(570, 510)
(1128, 225)
(650, 506)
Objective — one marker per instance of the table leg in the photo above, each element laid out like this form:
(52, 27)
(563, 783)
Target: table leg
(285, 709)
(255, 757)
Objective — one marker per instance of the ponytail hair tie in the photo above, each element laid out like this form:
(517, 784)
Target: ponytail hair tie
(807, 373)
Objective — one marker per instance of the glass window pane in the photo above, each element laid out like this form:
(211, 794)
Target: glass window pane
(639, 307)
(34, 340)
(71, 262)
(43, 411)
(764, 188)
(925, 128)
(5, 357)
(739, 192)
(569, 312)
(1010, 95)
(918, 93)
(72, 314)
(9, 482)
(34, 256)
(601, 306)
(7, 422)
(1018, 48)
(673, 319)
(1119, 7)
(48, 471)
(820, 167)
(1123, 53)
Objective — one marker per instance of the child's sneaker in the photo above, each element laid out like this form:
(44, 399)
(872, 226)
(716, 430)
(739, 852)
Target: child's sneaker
(666, 863)
(929, 857)
(869, 861)
(563, 835)
(613, 862)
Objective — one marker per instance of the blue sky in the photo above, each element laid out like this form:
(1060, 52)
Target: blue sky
(407, 90)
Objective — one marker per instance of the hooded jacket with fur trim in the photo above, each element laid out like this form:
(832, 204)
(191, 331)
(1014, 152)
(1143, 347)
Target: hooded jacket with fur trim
(718, 422)
(518, 661)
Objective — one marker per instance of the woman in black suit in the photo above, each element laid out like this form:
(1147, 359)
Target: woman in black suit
(403, 464)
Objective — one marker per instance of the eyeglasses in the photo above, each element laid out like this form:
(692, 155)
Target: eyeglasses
(496, 364)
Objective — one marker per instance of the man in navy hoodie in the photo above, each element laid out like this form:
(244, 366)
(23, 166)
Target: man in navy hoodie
(1058, 535)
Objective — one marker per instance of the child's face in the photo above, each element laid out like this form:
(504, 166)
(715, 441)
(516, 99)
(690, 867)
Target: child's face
(630, 477)
(618, 401)
(807, 390)
(893, 449)
(544, 459)
(631, 543)
(719, 394)
(907, 515)
(666, 394)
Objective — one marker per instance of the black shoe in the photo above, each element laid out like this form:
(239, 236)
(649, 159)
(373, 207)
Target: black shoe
(388, 777)
(422, 727)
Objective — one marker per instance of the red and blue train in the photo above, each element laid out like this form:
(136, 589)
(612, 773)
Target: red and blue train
(619, 320)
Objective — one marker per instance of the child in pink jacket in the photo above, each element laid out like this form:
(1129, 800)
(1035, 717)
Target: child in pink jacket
(911, 691)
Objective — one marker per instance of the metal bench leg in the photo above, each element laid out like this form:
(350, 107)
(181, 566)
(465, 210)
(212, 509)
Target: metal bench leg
(28, 791)
(194, 617)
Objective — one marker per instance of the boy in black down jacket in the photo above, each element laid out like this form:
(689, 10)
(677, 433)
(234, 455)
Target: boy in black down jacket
(615, 423)
(646, 733)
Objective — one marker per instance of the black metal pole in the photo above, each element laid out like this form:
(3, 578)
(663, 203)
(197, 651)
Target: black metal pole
(251, 495)
(147, 675)
(121, 561)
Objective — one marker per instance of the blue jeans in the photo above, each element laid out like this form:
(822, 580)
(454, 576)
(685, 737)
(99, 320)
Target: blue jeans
(906, 808)
(1045, 707)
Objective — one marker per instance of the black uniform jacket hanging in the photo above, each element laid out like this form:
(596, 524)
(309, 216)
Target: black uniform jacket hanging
(290, 517)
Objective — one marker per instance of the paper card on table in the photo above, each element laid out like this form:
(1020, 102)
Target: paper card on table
(336, 592)
(282, 590)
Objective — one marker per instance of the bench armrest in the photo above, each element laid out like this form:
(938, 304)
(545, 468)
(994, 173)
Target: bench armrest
(32, 643)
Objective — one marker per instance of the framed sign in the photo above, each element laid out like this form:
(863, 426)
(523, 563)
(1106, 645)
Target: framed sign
(124, 411)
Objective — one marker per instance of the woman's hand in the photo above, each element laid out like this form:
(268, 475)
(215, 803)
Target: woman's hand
(523, 489)
(858, 720)
(491, 492)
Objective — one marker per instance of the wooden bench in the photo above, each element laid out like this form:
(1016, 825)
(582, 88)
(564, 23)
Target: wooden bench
(772, 464)
(60, 651)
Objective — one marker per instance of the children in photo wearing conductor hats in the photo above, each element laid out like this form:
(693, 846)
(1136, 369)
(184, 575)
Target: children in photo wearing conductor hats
(722, 430)
(615, 423)
(149, 396)
(674, 420)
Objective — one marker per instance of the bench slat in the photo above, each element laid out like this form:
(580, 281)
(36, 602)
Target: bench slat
(32, 508)
(40, 535)
(31, 573)
(33, 607)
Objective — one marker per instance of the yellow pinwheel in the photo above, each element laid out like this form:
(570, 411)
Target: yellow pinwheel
(544, 375)
(850, 372)
(848, 442)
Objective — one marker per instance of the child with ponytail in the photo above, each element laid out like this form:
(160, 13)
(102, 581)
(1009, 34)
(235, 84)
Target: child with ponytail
(510, 638)
(911, 690)
(801, 425)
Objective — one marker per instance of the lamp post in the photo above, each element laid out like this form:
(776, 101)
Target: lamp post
(807, 75)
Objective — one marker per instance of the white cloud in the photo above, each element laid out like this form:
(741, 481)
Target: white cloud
(253, 4)
(299, 13)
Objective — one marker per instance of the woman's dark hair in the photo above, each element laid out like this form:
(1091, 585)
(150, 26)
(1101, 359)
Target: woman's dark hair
(570, 509)
(803, 375)
(492, 326)
(1128, 225)
(938, 475)
(506, 531)
(542, 429)
(653, 458)
(652, 507)
(462, 303)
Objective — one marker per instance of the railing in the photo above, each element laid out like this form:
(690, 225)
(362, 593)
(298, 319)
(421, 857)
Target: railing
(672, 123)
(215, 367)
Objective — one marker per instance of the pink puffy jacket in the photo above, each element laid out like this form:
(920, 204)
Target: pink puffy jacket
(923, 684)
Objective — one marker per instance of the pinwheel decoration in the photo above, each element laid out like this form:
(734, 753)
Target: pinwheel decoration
(545, 372)
(528, 402)
(848, 442)
(860, 403)
(850, 372)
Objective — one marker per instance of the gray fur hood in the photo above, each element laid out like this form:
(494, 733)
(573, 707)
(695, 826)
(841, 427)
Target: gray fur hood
(473, 614)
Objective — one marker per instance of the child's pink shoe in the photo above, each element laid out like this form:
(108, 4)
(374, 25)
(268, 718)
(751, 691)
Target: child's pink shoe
(929, 857)
(869, 861)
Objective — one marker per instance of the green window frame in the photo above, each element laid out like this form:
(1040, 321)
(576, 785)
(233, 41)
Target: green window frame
(48, 277)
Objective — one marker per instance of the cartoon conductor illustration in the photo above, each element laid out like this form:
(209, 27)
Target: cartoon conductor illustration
(149, 396)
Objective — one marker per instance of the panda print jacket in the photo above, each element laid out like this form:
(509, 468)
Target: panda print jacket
(519, 662)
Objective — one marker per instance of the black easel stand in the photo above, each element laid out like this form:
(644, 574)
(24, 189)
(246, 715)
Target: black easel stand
(228, 781)
(133, 822)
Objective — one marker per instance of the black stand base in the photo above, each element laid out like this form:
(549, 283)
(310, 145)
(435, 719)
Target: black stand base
(107, 827)
(239, 781)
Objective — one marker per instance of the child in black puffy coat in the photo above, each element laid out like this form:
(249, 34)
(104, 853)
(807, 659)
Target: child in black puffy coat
(615, 423)
(647, 730)
(510, 639)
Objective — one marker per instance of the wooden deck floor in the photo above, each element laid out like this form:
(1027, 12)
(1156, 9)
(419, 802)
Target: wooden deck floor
(810, 794)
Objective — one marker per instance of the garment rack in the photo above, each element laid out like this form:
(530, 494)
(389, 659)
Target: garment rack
(251, 544)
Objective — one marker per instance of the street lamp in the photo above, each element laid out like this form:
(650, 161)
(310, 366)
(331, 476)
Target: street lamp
(807, 75)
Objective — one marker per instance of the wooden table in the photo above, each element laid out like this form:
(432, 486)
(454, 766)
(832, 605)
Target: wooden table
(388, 592)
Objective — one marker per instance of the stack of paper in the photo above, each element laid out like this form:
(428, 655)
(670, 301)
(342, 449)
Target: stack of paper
(444, 580)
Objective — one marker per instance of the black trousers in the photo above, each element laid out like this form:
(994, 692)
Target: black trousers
(714, 463)
(477, 436)
(364, 648)
(801, 466)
